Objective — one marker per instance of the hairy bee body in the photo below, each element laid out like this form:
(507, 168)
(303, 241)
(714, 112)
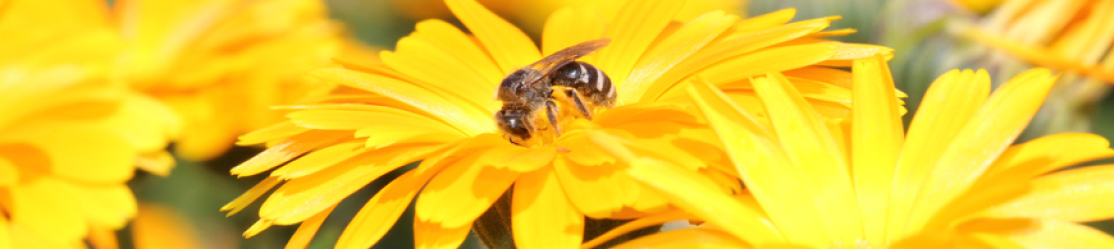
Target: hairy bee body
(530, 90)
(587, 80)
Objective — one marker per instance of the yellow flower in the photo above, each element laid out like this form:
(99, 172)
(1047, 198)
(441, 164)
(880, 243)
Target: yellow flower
(976, 6)
(532, 14)
(70, 136)
(1071, 36)
(221, 63)
(431, 101)
(953, 181)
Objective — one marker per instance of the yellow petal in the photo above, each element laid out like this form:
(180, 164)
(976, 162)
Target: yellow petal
(510, 48)
(598, 191)
(68, 151)
(517, 158)
(1079, 195)
(380, 213)
(767, 60)
(685, 239)
(355, 119)
(985, 240)
(159, 163)
(876, 135)
(698, 196)
(989, 132)
(104, 206)
(762, 165)
(430, 235)
(469, 120)
(307, 230)
(631, 32)
(450, 38)
(5, 234)
(539, 199)
(814, 156)
(161, 227)
(288, 149)
(45, 207)
(1061, 234)
(634, 225)
(1048, 153)
(764, 21)
(569, 26)
(438, 70)
(319, 159)
(306, 196)
(245, 199)
(9, 173)
(948, 104)
(736, 45)
(670, 52)
(461, 192)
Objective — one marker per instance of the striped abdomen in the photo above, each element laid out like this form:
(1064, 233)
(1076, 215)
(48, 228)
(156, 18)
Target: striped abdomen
(590, 81)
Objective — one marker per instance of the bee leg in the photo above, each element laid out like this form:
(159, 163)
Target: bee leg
(572, 93)
(551, 112)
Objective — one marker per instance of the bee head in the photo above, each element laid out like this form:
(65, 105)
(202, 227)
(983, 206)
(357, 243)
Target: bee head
(514, 121)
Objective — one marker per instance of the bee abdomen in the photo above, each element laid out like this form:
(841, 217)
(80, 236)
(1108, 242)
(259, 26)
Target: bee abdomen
(588, 80)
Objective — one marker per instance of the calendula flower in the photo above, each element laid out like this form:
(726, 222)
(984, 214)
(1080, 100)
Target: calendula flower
(70, 136)
(431, 101)
(221, 63)
(1070, 36)
(532, 14)
(953, 181)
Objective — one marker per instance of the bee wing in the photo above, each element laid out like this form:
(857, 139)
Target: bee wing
(547, 65)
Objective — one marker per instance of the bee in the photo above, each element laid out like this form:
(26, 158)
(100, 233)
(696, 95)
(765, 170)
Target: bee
(529, 90)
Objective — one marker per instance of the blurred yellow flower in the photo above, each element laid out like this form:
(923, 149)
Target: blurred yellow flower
(976, 6)
(159, 227)
(70, 135)
(1072, 36)
(221, 63)
(953, 181)
(532, 14)
(431, 101)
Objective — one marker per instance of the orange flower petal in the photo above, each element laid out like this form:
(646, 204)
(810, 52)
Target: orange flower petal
(517, 158)
(431, 235)
(510, 48)
(449, 38)
(538, 199)
(245, 199)
(319, 159)
(104, 206)
(307, 230)
(284, 151)
(5, 233)
(381, 212)
(306, 196)
(461, 192)
(160, 227)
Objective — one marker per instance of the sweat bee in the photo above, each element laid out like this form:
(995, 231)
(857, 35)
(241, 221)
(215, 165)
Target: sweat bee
(529, 90)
